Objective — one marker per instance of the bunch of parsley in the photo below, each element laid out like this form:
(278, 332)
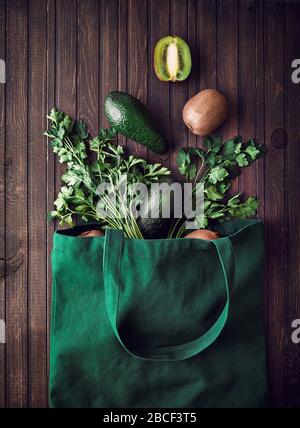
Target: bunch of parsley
(215, 167)
(78, 198)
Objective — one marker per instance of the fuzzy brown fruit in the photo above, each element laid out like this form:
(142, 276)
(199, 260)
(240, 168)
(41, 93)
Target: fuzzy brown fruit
(205, 112)
(208, 235)
(91, 233)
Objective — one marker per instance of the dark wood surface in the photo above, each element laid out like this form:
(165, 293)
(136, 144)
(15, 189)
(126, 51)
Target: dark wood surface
(70, 54)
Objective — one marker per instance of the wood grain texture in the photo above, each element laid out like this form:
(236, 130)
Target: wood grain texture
(227, 62)
(260, 110)
(247, 86)
(137, 59)
(227, 67)
(37, 205)
(108, 52)
(88, 64)
(70, 54)
(2, 204)
(158, 91)
(292, 201)
(206, 47)
(122, 55)
(274, 197)
(178, 92)
(50, 170)
(66, 63)
(192, 40)
(206, 53)
(16, 204)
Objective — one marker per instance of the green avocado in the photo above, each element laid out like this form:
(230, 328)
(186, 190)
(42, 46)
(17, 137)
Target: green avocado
(151, 221)
(128, 116)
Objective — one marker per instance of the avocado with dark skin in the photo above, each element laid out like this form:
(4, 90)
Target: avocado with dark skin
(155, 226)
(128, 116)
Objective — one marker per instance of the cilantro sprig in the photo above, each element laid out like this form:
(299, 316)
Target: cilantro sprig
(216, 165)
(78, 197)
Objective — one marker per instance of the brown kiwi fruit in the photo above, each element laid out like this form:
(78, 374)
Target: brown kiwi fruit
(91, 233)
(207, 235)
(205, 112)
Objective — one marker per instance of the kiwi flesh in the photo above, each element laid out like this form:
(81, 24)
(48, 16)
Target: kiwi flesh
(172, 59)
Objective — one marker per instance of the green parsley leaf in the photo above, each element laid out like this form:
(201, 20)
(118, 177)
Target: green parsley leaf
(217, 174)
(252, 151)
(213, 194)
(242, 160)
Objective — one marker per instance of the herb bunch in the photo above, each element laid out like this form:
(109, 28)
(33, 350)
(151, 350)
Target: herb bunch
(216, 165)
(78, 197)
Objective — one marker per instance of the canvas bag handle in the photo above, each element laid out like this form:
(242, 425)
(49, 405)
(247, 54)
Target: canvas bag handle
(114, 240)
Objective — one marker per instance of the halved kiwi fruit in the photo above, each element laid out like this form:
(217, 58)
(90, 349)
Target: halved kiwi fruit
(172, 59)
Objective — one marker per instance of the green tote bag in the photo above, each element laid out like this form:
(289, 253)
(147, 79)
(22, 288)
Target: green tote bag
(160, 323)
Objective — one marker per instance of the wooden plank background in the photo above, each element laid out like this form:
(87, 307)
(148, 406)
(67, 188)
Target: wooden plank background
(70, 54)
